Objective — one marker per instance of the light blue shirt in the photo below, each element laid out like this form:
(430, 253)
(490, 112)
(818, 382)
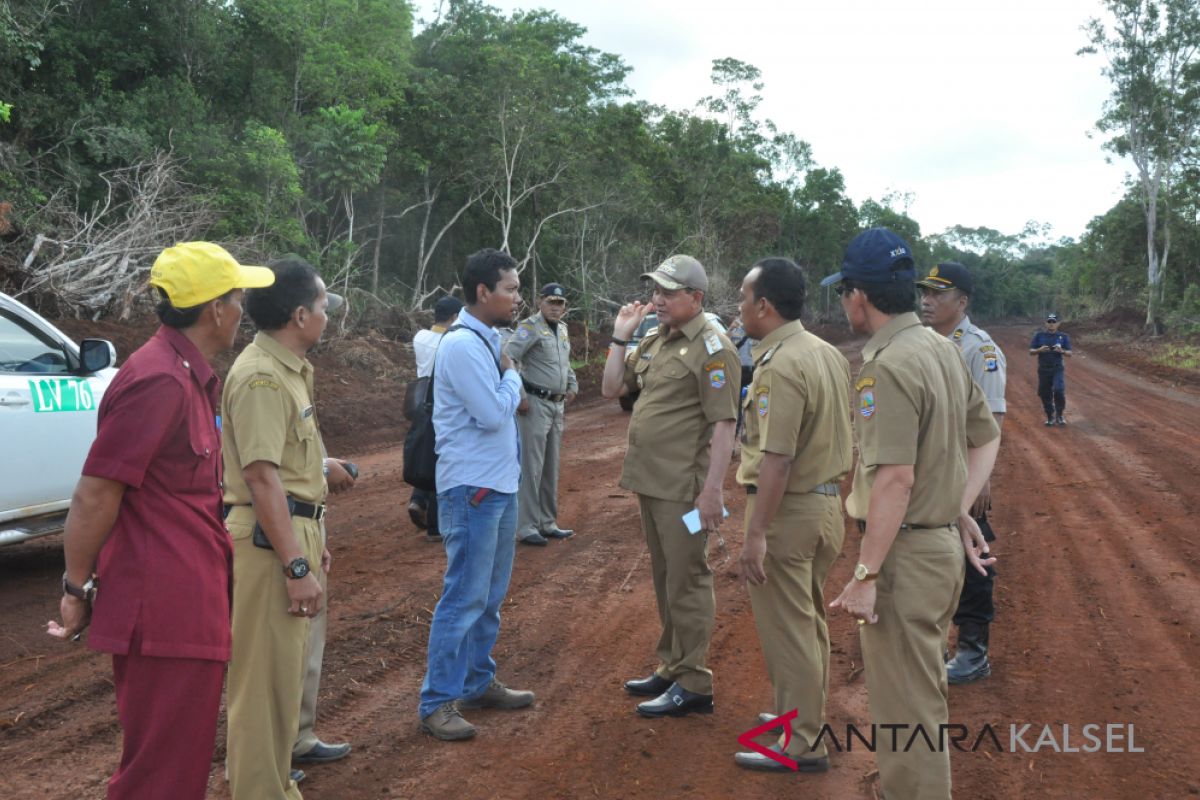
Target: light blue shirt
(474, 412)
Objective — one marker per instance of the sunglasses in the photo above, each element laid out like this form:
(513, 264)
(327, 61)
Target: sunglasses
(842, 289)
(555, 301)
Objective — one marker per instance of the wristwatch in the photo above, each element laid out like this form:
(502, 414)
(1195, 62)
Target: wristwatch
(863, 573)
(87, 592)
(298, 568)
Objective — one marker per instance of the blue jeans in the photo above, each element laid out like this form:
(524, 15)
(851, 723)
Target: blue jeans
(479, 543)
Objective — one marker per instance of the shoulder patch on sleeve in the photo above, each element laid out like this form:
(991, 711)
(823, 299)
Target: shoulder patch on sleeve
(712, 344)
(866, 404)
(523, 332)
(987, 348)
(716, 378)
(263, 383)
(864, 383)
(716, 363)
(991, 363)
(762, 400)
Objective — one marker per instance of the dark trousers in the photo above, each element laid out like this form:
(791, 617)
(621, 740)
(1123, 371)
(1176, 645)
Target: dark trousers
(975, 602)
(1052, 388)
(168, 712)
(427, 501)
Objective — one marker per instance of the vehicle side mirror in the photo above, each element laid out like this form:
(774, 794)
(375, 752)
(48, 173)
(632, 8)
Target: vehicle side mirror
(96, 354)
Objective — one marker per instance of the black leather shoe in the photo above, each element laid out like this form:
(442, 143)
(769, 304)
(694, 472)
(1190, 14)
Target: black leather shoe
(676, 702)
(322, 753)
(970, 662)
(648, 687)
(558, 533)
(535, 539)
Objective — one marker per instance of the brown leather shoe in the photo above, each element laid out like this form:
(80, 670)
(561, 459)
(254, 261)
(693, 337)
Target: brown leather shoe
(447, 724)
(497, 695)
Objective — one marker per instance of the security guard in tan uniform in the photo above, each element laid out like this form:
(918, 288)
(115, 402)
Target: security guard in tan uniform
(680, 444)
(795, 451)
(275, 491)
(926, 445)
(541, 345)
(945, 294)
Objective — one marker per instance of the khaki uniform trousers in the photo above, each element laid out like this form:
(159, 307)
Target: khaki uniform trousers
(306, 739)
(541, 440)
(683, 587)
(803, 541)
(917, 592)
(266, 671)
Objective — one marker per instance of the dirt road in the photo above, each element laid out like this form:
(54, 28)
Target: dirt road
(1098, 603)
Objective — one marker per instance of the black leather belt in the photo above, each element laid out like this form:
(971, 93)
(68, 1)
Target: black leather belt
(297, 509)
(545, 394)
(908, 526)
(827, 489)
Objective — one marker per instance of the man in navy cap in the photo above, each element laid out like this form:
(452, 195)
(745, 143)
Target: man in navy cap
(926, 446)
(945, 295)
(1050, 345)
(541, 345)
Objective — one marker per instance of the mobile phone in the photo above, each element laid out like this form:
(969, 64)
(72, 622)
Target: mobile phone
(259, 537)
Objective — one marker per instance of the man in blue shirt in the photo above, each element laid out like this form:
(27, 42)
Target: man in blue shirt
(476, 392)
(1050, 346)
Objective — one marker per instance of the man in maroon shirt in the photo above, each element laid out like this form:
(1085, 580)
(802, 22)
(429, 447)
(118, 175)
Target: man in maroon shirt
(148, 556)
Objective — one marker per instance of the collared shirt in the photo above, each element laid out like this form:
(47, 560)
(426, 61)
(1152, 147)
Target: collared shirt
(986, 362)
(269, 416)
(474, 411)
(916, 404)
(689, 380)
(1050, 360)
(165, 569)
(544, 353)
(425, 344)
(796, 407)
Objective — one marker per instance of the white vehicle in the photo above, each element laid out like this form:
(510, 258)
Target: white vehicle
(50, 389)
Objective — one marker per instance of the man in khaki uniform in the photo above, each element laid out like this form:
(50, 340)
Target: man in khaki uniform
(680, 443)
(275, 491)
(926, 445)
(542, 347)
(795, 450)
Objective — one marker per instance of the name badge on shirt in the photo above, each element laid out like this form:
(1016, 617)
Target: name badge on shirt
(307, 412)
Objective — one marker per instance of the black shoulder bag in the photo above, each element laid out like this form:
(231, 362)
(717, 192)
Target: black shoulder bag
(420, 452)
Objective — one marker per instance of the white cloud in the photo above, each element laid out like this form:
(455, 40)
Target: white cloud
(981, 109)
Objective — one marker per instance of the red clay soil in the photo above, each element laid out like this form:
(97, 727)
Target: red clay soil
(1098, 602)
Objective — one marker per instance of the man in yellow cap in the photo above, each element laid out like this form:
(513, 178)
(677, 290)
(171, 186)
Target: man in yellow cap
(146, 523)
(680, 443)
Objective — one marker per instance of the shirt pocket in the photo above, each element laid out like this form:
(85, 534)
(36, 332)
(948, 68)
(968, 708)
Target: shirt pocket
(205, 446)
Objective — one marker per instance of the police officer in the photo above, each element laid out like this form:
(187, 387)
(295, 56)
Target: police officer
(275, 491)
(945, 295)
(1050, 345)
(680, 444)
(926, 445)
(541, 345)
(795, 451)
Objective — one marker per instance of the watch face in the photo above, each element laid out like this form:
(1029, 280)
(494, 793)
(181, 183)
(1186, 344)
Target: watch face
(861, 571)
(299, 568)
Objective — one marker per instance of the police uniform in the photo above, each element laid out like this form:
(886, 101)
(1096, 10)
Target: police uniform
(688, 378)
(1052, 382)
(268, 415)
(915, 403)
(544, 353)
(796, 407)
(976, 609)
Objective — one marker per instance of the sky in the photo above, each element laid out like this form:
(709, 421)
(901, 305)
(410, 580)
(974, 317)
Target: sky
(980, 111)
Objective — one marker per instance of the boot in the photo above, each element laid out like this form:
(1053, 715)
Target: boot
(970, 662)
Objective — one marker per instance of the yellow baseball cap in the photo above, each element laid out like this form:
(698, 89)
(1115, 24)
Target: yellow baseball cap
(192, 273)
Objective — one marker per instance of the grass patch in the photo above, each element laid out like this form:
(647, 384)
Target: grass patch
(1180, 356)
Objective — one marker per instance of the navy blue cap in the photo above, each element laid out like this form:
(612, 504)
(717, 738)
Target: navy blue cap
(554, 290)
(948, 275)
(445, 308)
(875, 256)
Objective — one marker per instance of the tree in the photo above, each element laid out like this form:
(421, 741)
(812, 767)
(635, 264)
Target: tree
(1153, 113)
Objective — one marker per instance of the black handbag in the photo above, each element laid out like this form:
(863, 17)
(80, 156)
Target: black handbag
(420, 453)
(414, 396)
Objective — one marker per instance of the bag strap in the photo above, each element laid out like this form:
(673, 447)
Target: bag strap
(459, 326)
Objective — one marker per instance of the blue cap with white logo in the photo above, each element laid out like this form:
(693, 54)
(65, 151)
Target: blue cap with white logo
(875, 256)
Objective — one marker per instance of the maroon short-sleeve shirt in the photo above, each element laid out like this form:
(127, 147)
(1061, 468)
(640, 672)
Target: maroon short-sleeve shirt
(166, 569)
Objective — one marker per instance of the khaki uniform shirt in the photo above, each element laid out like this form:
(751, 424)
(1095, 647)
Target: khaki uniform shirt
(545, 355)
(915, 403)
(267, 415)
(796, 407)
(688, 379)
